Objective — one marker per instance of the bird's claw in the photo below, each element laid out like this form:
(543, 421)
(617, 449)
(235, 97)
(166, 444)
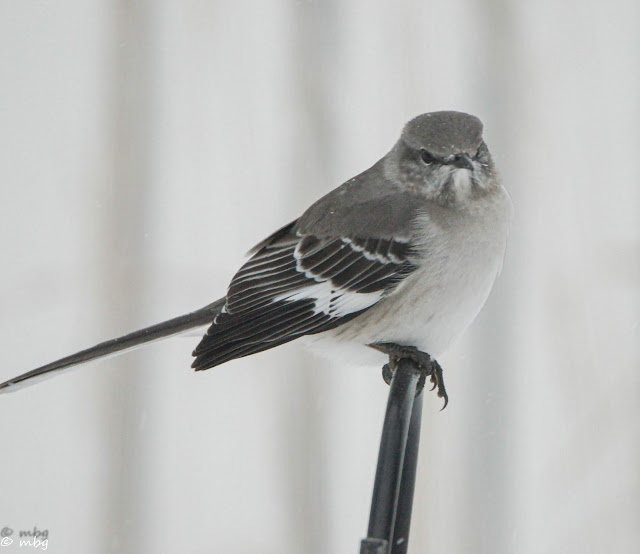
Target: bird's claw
(426, 364)
(438, 382)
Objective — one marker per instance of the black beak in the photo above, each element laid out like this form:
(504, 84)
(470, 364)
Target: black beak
(462, 161)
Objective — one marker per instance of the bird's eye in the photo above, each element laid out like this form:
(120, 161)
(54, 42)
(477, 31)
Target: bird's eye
(426, 156)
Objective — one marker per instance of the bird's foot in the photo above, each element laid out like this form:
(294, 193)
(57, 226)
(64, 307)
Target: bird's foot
(426, 364)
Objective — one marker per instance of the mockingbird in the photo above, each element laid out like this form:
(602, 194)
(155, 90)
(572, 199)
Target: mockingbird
(400, 258)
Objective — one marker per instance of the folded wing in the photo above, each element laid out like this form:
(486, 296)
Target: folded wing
(300, 284)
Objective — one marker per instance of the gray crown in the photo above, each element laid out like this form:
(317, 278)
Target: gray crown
(444, 133)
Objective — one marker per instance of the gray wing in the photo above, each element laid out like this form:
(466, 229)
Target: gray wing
(301, 285)
(346, 253)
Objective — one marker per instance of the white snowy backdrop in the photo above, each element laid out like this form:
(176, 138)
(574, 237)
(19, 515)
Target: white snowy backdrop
(146, 145)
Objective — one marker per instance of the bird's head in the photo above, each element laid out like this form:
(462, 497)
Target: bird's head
(442, 155)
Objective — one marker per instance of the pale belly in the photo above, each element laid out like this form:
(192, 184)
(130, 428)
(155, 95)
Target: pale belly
(430, 314)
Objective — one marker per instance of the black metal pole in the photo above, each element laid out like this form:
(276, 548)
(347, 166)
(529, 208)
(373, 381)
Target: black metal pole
(395, 474)
(408, 483)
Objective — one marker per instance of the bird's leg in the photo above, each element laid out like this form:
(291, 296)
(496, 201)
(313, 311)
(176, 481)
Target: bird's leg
(427, 365)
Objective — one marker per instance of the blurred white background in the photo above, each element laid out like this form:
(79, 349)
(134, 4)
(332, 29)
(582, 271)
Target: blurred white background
(146, 145)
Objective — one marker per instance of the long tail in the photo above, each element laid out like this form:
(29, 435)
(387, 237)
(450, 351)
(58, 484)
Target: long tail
(174, 326)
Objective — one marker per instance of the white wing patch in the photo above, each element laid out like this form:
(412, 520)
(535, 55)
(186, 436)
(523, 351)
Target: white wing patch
(331, 301)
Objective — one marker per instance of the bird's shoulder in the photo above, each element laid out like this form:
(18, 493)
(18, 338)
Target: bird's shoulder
(368, 205)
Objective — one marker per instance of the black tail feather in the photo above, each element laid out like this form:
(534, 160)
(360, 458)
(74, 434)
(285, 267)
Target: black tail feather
(119, 345)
